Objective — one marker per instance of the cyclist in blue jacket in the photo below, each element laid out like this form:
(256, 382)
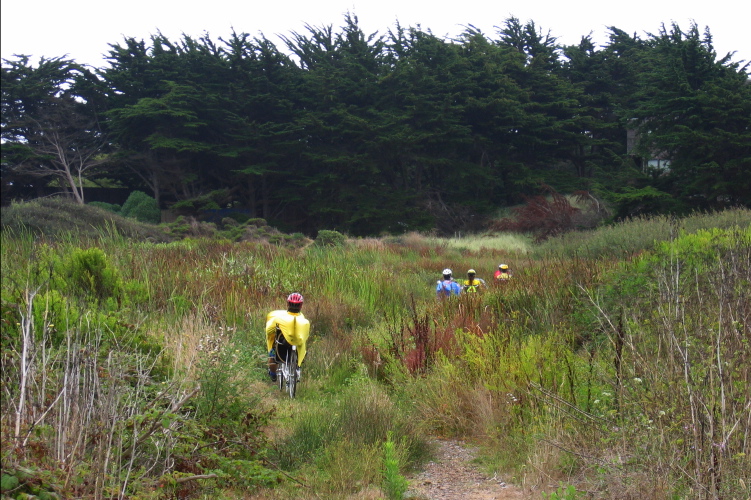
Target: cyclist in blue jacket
(447, 287)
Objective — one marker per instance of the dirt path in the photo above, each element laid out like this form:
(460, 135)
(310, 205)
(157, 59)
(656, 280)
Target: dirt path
(453, 476)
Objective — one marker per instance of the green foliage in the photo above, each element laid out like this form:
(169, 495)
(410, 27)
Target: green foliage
(59, 218)
(585, 348)
(110, 207)
(141, 207)
(698, 252)
(8, 482)
(246, 475)
(88, 273)
(637, 234)
(196, 206)
(403, 132)
(708, 151)
(394, 484)
(54, 314)
(668, 303)
(562, 493)
(137, 293)
(25, 483)
(632, 202)
(222, 397)
(190, 227)
(327, 238)
(363, 414)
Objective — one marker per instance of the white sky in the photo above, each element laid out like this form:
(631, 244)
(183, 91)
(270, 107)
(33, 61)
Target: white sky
(82, 29)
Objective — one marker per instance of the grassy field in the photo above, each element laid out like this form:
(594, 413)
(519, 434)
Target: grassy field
(616, 361)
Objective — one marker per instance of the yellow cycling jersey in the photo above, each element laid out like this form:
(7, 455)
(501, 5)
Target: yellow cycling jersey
(294, 326)
(474, 286)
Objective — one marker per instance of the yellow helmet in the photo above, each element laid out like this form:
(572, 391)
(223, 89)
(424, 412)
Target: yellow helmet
(471, 271)
(503, 266)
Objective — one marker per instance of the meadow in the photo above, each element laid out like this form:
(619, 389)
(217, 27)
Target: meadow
(615, 364)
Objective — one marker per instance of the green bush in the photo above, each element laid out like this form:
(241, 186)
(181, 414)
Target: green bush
(327, 238)
(88, 273)
(141, 207)
(200, 204)
(257, 222)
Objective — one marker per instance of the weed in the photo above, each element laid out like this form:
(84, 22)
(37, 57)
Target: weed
(562, 493)
(394, 484)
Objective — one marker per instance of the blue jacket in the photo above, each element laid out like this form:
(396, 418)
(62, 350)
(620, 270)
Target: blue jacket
(447, 288)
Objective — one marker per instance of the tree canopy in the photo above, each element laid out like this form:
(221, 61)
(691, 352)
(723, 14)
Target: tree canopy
(368, 133)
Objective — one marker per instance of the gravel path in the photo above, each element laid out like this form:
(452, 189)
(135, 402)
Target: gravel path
(453, 476)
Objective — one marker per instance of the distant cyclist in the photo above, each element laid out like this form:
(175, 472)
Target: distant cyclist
(293, 326)
(447, 287)
(503, 273)
(473, 284)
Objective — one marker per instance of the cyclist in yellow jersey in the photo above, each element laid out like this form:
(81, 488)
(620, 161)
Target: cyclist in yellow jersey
(473, 284)
(503, 273)
(292, 325)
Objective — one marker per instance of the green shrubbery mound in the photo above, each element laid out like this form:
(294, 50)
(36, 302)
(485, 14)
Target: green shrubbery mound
(59, 217)
(141, 207)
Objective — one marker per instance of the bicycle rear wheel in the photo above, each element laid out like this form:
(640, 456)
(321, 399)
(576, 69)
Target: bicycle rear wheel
(280, 375)
(292, 372)
(281, 368)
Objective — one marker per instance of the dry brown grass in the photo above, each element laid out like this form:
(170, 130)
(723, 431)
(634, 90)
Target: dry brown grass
(191, 340)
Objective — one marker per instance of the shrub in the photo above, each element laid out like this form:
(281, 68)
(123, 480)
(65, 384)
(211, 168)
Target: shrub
(543, 216)
(199, 205)
(257, 222)
(328, 238)
(88, 273)
(141, 207)
(191, 227)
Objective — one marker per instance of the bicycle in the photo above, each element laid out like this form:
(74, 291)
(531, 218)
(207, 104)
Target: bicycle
(287, 372)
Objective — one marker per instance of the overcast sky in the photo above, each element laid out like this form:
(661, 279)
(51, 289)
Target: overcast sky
(82, 29)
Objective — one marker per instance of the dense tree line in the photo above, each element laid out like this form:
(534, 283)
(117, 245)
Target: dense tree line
(371, 133)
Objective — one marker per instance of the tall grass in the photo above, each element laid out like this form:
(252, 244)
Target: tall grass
(615, 360)
(632, 236)
(681, 389)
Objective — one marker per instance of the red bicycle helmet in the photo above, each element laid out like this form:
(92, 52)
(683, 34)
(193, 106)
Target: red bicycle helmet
(295, 298)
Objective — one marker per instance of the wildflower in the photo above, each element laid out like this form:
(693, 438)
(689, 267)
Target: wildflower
(637, 380)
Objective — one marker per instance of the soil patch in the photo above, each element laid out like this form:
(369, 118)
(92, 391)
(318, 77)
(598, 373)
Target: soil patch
(452, 475)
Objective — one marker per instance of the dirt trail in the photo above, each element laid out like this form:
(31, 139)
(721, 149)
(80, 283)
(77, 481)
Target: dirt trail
(453, 476)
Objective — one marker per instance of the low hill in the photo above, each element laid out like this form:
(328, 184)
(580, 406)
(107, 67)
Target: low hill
(56, 217)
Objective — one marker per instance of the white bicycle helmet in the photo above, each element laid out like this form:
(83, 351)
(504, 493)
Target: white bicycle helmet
(447, 272)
